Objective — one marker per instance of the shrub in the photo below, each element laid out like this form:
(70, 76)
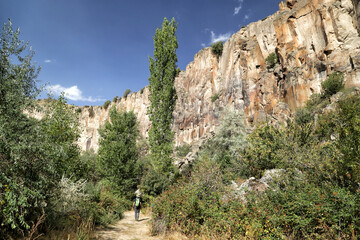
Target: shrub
(316, 102)
(186, 205)
(214, 97)
(303, 116)
(154, 182)
(106, 104)
(91, 112)
(126, 93)
(333, 84)
(78, 110)
(271, 60)
(217, 48)
(178, 70)
(183, 150)
(115, 99)
(71, 194)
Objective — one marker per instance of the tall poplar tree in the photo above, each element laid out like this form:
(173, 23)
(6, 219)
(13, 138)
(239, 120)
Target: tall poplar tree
(162, 95)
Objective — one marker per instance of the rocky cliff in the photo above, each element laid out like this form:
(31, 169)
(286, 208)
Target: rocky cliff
(311, 39)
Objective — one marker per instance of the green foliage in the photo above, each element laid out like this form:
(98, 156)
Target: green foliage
(18, 81)
(187, 206)
(271, 60)
(333, 84)
(316, 103)
(25, 173)
(183, 150)
(217, 48)
(78, 110)
(162, 96)
(303, 116)
(61, 127)
(91, 112)
(34, 153)
(83, 205)
(317, 197)
(104, 205)
(106, 104)
(214, 97)
(115, 99)
(178, 70)
(154, 182)
(126, 93)
(89, 167)
(118, 156)
(229, 140)
(347, 129)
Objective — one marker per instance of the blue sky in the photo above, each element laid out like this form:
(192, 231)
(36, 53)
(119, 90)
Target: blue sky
(96, 49)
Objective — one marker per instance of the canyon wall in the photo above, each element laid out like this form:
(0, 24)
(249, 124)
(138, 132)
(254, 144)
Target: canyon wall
(311, 38)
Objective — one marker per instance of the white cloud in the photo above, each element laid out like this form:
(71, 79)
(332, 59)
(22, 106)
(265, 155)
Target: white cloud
(47, 61)
(239, 7)
(220, 37)
(203, 45)
(72, 93)
(246, 16)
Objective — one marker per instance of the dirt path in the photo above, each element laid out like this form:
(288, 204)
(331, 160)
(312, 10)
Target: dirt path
(127, 229)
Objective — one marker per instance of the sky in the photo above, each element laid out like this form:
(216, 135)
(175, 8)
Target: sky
(93, 50)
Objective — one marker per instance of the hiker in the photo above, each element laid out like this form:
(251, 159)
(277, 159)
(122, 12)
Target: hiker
(137, 207)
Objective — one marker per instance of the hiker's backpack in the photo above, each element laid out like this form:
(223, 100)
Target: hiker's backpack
(137, 202)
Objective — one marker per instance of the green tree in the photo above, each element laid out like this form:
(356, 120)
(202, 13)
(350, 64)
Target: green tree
(118, 155)
(33, 153)
(162, 95)
(61, 128)
(26, 174)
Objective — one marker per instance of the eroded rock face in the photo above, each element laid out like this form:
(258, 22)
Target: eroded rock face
(93, 117)
(312, 38)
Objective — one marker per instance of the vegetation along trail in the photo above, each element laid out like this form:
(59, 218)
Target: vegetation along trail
(128, 229)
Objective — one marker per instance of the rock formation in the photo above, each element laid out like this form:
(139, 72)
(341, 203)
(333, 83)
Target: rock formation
(311, 38)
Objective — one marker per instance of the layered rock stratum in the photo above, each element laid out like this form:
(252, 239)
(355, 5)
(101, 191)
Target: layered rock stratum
(311, 38)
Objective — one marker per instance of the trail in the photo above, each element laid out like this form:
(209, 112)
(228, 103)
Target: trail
(127, 229)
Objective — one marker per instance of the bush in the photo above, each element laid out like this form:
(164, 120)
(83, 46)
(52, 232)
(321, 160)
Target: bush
(228, 142)
(186, 205)
(317, 198)
(106, 104)
(154, 182)
(271, 60)
(78, 110)
(126, 93)
(303, 116)
(217, 48)
(183, 150)
(214, 97)
(333, 84)
(115, 99)
(91, 112)
(316, 102)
